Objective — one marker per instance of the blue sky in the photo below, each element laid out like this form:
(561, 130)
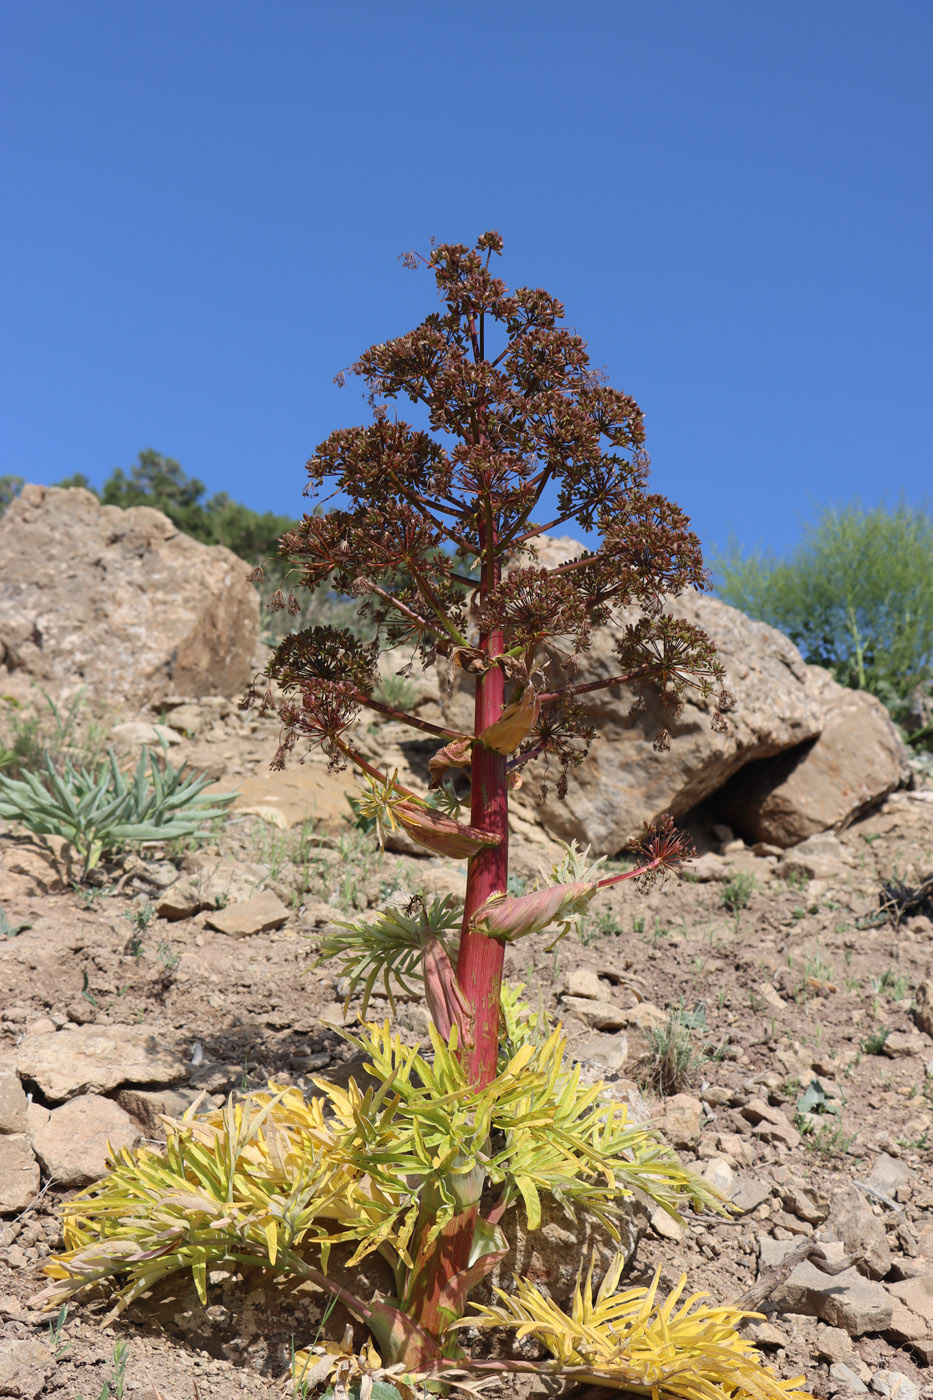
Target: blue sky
(204, 204)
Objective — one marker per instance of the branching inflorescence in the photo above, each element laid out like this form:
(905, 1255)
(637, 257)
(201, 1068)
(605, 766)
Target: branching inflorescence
(437, 539)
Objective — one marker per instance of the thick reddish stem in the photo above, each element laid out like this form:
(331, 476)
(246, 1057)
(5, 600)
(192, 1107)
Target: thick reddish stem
(479, 968)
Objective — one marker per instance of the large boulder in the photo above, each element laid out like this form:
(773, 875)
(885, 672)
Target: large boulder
(832, 752)
(118, 602)
(855, 762)
(624, 782)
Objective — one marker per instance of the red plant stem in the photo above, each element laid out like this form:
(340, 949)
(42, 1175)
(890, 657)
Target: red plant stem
(642, 674)
(374, 773)
(405, 718)
(440, 1262)
(479, 967)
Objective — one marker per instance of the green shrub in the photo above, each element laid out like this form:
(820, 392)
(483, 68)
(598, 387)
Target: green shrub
(856, 596)
(101, 810)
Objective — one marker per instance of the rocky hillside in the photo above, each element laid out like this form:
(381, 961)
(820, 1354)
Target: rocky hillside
(771, 1009)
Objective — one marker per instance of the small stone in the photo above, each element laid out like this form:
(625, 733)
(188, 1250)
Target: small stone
(73, 1146)
(40, 1025)
(804, 1202)
(845, 1300)
(749, 1194)
(819, 857)
(913, 1313)
(185, 718)
(24, 1365)
(682, 1120)
(846, 1378)
(80, 1012)
(734, 1147)
(664, 1225)
(147, 1105)
(95, 1059)
(19, 1174)
(719, 1173)
(610, 1051)
(322, 914)
(647, 1017)
(923, 1011)
(138, 732)
(902, 1043)
(257, 915)
(209, 884)
(600, 1015)
(765, 1334)
(12, 1103)
(894, 1385)
(707, 868)
(833, 1344)
(888, 1174)
(770, 997)
(770, 1123)
(854, 1224)
(583, 982)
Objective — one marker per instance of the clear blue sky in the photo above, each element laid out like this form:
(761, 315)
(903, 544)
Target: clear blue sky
(204, 202)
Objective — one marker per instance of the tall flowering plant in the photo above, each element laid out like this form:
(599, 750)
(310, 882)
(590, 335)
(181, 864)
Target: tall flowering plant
(435, 534)
(437, 540)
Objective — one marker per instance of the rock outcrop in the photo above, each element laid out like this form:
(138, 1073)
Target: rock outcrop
(856, 761)
(119, 602)
(830, 752)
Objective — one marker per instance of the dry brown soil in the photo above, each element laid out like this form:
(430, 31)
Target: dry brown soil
(800, 983)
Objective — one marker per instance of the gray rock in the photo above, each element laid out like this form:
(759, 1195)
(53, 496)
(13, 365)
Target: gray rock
(912, 1320)
(73, 1145)
(19, 1174)
(583, 982)
(136, 732)
(666, 1226)
(214, 884)
(806, 1202)
(599, 1015)
(260, 914)
(923, 1011)
(750, 1193)
(832, 1344)
(894, 1385)
(770, 1123)
(646, 1017)
(682, 1120)
(185, 718)
(901, 1044)
(608, 1051)
(624, 782)
(765, 1334)
(12, 1103)
(848, 1379)
(709, 868)
(845, 1300)
(25, 1364)
(720, 1174)
(96, 1059)
(819, 857)
(855, 762)
(889, 1174)
(854, 1224)
(147, 1105)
